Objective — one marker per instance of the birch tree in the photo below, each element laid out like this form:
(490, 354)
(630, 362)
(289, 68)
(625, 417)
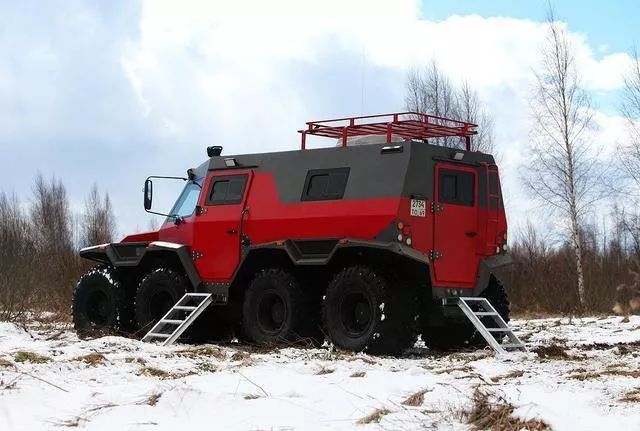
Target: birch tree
(564, 172)
(631, 112)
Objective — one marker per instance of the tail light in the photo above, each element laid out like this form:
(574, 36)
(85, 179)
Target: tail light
(404, 233)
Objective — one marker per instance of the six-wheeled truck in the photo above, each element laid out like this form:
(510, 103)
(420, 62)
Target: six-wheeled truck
(365, 244)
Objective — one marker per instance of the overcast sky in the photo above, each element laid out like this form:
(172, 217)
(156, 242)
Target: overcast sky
(110, 92)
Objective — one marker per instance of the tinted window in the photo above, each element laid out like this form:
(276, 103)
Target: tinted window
(227, 190)
(456, 187)
(325, 184)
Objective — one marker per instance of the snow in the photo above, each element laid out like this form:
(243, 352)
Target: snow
(141, 386)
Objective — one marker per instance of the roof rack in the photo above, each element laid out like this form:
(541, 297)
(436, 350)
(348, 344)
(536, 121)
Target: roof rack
(408, 125)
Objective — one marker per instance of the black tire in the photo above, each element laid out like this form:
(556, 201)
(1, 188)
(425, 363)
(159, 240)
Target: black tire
(157, 292)
(457, 334)
(99, 302)
(275, 309)
(212, 326)
(366, 311)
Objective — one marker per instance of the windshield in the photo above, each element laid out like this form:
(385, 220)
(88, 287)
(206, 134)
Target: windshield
(187, 201)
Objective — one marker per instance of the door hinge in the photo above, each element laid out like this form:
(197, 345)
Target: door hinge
(433, 255)
(435, 207)
(195, 255)
(201, 210)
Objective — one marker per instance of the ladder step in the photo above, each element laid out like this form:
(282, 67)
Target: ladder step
(158, 335)
(486, 313)
(184, 307)
(171, 322)
(498, 329)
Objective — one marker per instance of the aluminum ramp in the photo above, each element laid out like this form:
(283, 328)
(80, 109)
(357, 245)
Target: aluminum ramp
(478, 311)
(179, 318)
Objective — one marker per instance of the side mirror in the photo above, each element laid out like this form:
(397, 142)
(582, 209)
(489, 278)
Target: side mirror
(148, 194)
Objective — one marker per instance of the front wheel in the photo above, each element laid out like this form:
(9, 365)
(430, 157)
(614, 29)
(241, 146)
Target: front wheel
(365, 310)
(99, 302)
(157, 292)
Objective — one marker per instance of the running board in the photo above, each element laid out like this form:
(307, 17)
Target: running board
(486, 311)
(179, 318)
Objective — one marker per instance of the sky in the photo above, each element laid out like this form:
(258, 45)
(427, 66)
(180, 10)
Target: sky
(111, 92)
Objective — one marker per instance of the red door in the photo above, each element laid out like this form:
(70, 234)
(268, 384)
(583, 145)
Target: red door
(218, 226)
(455, 225)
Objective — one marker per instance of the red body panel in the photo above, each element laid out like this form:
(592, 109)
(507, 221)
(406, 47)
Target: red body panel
(142, 237)
(463, 234)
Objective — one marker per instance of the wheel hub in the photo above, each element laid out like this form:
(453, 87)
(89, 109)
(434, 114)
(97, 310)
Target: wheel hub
(356, 314)
(272, 313)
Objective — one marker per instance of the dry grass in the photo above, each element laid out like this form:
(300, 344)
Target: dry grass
(374, 417)
(208, 351)
(358, 374)
(207, 367)
(161, 374)
(511, 375)
(251, 397)
(632, 396)
(322, 371)
(32, 357)
(416, 399)
(153, 399)
(5, 363)
(92, 359)
(490, 412)
(241, 356)
(552, 351)
(587, 375)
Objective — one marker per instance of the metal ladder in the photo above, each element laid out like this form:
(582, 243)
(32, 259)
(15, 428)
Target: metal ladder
(171, 326)
(501, 329)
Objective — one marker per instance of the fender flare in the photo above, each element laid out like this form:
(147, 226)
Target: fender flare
(132, 254)
(498, 266)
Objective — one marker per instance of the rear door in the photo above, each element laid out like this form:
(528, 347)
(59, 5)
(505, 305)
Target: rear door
(455, 226)
(218, 224)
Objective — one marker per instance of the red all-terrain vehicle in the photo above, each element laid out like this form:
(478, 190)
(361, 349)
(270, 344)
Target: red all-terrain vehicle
(365, 243)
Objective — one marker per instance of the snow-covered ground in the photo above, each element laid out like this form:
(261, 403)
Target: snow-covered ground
(51, 380)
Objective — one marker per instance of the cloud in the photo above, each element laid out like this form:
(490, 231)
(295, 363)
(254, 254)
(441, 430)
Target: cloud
(112, 92)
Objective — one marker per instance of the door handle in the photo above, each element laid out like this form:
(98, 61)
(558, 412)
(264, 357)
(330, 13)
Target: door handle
(470, 233)
(232, 231)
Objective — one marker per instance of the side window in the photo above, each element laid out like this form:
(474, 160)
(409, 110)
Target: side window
(325, 184)
(456, 187)
(227, 190)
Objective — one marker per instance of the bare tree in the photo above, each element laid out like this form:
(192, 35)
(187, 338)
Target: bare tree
(430, 91)
(98, 223)
(16, 259)
(631, 110)
(470, 109)
(564, 171)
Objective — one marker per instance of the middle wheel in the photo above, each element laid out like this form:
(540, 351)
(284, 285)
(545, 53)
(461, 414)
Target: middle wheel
(275, 308)
(366, 310)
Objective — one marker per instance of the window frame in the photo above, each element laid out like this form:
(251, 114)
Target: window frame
(458, 172)
(325, 196)
(215, 179)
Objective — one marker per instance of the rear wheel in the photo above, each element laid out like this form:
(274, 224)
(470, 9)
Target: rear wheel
(366, 311)
(157, 292)
(99, 301)
(275, 308)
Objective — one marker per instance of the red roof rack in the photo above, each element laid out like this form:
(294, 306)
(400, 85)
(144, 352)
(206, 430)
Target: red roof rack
(408, 125)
